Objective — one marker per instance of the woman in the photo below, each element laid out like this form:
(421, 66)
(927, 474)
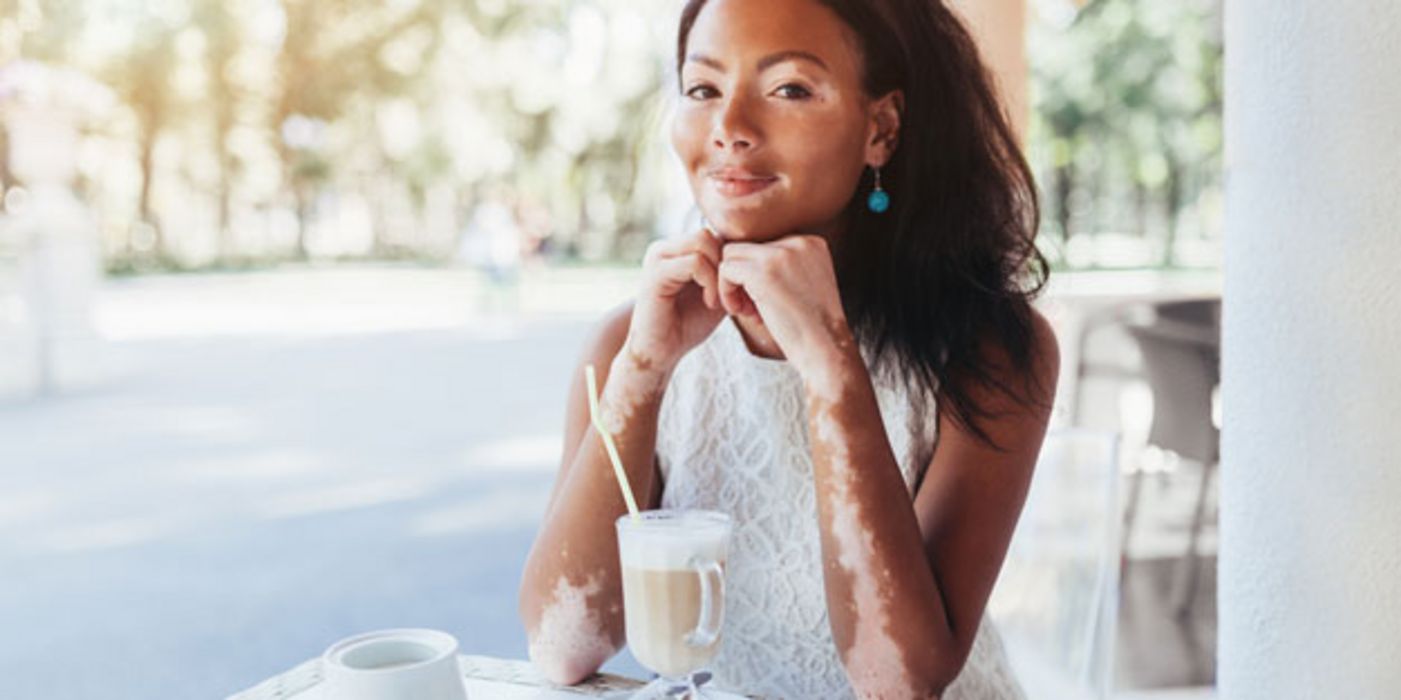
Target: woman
(862, 288)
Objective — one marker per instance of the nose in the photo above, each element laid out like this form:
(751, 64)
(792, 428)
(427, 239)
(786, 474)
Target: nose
(733, 129)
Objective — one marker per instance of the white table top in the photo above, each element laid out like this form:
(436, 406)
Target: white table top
(486, 678)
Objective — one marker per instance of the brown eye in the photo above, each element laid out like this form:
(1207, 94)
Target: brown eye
(794, 91)
(701, 92)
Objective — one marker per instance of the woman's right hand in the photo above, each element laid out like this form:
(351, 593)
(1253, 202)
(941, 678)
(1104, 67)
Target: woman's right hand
(679, 303)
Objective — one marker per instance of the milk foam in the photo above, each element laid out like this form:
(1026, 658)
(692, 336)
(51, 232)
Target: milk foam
(672, 546)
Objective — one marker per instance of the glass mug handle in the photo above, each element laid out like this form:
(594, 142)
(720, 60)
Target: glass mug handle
(712, 608)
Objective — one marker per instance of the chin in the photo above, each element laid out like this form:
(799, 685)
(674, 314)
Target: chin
(747, 228)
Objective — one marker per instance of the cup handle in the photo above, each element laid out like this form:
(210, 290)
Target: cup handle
(712, 609)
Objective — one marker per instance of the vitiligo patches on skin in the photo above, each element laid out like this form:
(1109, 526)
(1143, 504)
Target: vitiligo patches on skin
(874, 661)
(570, 641)
(620, 402)
(617, 411)
(828, 390)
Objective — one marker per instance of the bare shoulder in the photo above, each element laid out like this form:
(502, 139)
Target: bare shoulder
(1039, 375)
(1045, 349)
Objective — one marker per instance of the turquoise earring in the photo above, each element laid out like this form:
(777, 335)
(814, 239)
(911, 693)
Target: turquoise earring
(879, 201)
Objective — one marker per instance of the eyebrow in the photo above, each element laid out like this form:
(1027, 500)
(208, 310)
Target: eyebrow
(765, 62)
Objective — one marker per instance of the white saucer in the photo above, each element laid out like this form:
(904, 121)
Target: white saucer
(486, 678)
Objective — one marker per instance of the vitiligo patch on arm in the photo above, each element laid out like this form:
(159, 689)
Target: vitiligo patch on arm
(874, 661)
(570, 639)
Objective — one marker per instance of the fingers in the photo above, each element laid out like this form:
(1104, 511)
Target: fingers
(699, 254)
(741, 274)
(702, 242)
(734, 276)
(703, 259)
(799, 246)
(708, 243)
(706, 274)
(709, 246)
(746, 269)
(666, 247)
(737, 269)
(671, 275)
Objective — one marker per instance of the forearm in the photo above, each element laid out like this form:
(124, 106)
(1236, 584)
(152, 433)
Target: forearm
(571, 594)
(886, 610)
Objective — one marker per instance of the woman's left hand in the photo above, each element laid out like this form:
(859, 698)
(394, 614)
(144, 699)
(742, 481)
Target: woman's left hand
(791, 285)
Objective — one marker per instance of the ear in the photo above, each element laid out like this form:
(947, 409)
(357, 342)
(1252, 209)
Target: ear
(883, 128)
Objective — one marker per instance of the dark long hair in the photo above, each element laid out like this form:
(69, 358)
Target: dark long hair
(949, 271)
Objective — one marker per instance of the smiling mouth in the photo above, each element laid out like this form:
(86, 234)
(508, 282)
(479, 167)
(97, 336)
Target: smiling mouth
(739, 187)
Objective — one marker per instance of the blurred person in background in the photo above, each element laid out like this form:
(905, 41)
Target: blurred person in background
(493, 243)
(845, 360)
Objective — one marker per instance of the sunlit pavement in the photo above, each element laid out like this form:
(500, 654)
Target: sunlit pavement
(272, 462)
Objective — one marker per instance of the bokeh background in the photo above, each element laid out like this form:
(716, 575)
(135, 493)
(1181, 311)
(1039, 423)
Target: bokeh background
(291, 293)
(216, 136)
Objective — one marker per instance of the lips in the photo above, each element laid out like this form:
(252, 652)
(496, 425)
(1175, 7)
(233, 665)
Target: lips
(738, 182)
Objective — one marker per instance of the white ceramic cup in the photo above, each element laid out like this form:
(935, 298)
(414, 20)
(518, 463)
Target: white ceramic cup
(398, 664)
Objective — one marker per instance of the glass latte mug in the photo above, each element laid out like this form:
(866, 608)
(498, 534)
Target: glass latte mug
(673, 564)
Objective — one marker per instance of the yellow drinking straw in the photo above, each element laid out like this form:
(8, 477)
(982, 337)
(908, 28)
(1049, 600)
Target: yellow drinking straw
(597, 421)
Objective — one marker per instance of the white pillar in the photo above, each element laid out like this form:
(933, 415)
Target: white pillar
(1310, 558)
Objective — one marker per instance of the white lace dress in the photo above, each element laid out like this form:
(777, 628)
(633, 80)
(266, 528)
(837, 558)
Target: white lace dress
(732, 437)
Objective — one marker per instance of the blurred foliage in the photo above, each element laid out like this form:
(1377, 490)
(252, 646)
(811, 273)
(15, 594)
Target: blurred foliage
(319, 129)
(1126, 132)
(294, 129)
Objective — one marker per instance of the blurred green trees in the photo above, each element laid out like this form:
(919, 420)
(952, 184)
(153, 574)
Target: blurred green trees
(1126, 133)
(295, 129)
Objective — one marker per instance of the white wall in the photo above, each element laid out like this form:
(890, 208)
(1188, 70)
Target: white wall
(1310, 572)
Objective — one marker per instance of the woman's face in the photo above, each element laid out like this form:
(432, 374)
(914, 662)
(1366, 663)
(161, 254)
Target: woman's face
(773, 127)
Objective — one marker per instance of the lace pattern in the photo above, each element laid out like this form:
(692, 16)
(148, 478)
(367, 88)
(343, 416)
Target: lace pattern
(732, 436)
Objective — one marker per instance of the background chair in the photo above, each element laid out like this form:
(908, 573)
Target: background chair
(1180, 349)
